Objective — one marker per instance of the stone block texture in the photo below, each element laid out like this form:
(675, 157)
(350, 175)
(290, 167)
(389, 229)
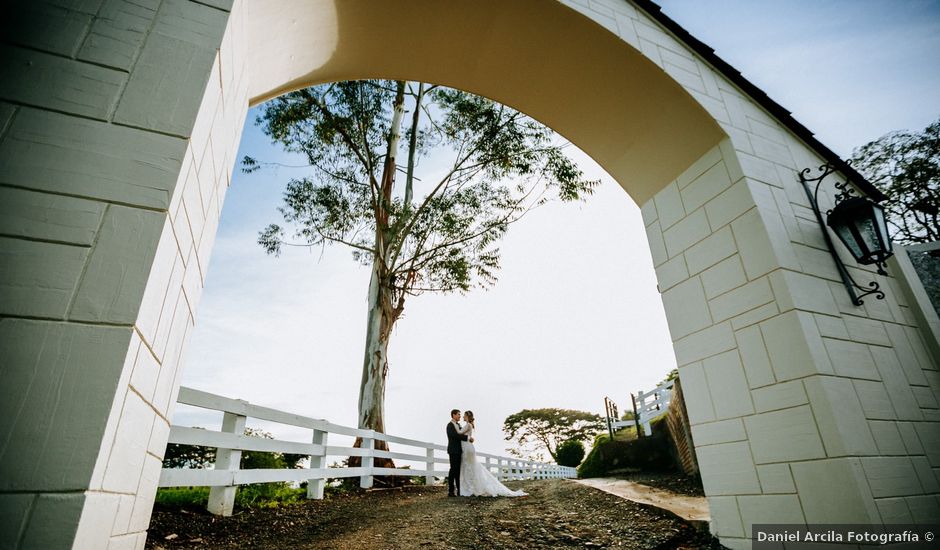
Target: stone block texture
(804, 406)
(119, 125)
(117, 141)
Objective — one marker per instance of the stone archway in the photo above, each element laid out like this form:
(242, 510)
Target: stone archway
(118, 129)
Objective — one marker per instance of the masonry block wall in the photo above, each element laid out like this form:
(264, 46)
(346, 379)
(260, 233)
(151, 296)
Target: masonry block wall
(118, 125)
(805, 408)
(119, 122)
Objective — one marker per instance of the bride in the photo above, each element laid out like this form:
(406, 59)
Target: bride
(475, 478)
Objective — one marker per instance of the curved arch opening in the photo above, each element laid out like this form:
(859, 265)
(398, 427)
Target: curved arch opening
(599, 92)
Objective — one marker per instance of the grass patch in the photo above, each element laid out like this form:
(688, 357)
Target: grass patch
(182, 497)
(626, 453)
(256, 495)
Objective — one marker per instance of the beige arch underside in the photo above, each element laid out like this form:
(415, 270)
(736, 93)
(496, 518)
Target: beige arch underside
(539, 57)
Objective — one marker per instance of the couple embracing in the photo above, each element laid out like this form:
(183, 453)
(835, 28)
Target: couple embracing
(467, 476)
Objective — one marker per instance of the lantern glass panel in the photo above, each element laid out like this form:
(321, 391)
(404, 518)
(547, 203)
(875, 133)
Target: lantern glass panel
(869, 235)
(883, 231)
(845, 234)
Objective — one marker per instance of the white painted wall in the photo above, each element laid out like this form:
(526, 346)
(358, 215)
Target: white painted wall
(118, 128)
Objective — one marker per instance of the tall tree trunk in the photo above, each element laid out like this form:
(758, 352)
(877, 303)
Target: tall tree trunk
(383, 312)
(379, 322)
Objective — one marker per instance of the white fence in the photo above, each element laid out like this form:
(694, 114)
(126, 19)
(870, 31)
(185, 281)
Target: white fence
(224, 478)
(653, 403)
(648, 405)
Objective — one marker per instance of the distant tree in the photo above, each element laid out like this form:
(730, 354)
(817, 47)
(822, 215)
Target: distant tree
(256, 460)
(194, 456)
(435, 233)
(534, 429)
(670, 376)
(188, 456)
(905, 166)
(570, 453)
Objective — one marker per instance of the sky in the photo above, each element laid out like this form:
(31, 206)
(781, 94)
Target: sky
(575, 315)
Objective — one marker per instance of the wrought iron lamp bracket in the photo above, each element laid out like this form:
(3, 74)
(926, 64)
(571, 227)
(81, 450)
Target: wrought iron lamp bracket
(845, 191)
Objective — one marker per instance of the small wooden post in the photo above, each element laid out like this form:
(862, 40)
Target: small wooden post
(429, 466)
(610, 429)
(636, 418)
(315, 486)
(222, 499)
(365, 481)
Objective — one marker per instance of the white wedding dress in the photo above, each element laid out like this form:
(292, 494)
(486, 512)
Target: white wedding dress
(475, 479)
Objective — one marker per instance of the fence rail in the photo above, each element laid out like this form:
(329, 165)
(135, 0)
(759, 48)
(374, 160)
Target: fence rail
(647, 406)
(226, 475)
(653, 403)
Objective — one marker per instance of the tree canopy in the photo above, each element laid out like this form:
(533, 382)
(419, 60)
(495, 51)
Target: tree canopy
(536, 429)
(436, 231)
(195, 456)
(503, 164)
(905, 166)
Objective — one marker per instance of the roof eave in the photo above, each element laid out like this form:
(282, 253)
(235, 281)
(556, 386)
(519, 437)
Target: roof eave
(772, 107)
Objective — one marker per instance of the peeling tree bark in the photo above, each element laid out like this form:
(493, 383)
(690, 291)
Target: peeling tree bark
(383, 309)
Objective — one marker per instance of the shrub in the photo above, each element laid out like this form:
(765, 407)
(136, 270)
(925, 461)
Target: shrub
(183, 497)
(649, 454)
(193, 456)
(268, 495)
(255, 495)
(570, 453)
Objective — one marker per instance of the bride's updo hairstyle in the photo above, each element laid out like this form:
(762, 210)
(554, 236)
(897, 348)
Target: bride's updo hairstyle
(470, 417)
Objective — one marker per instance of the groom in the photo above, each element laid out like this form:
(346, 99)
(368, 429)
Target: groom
(454, 451)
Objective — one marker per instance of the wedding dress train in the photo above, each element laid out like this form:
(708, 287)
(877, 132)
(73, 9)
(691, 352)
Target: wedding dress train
(475, 477)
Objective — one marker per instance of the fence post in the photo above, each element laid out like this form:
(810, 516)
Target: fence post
(365, 481)
(429, 466)
(315, 486)
(499, 471)
(222, 499)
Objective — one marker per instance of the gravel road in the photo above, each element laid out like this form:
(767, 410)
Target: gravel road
(556, 514)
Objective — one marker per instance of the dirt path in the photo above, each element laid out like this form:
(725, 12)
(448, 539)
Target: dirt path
(557, 514)
(693, 509)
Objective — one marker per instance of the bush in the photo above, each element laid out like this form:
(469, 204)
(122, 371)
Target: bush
(183, 497)
(570, 453)
(193, 456)
(268, 495)
(650, 454)
(255, 495)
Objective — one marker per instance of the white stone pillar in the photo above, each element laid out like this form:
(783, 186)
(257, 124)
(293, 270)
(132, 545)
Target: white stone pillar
(110, 113)
(793, 392)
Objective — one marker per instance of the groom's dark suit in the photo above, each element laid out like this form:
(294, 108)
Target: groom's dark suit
(454, 451)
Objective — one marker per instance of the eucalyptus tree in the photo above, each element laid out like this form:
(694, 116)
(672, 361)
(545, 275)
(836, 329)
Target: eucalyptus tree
(419, 229)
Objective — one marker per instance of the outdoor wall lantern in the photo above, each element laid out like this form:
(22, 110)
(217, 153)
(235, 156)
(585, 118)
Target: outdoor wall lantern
(860, 225)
